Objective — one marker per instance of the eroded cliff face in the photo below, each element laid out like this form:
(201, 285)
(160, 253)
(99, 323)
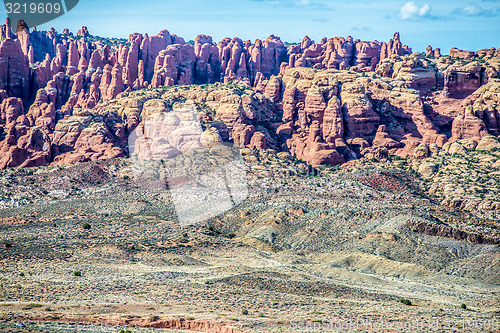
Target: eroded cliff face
(68, 99)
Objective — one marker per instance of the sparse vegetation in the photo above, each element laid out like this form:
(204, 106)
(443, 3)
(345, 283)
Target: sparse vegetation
(405, 301)
(32, 306)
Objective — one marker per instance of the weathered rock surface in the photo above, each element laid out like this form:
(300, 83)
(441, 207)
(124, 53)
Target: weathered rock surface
(390, 102)
(14, 70)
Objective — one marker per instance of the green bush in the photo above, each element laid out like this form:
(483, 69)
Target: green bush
(32, 306)
(86, 226)
(244, 312)
(463, 306)
(405, 301)
(77, 273)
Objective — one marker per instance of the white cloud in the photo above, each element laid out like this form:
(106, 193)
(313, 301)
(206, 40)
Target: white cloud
(360, 27)
(474, 10)
(412, 11)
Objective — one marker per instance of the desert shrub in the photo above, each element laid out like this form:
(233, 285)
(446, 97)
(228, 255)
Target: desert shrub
(86, 226)
(183, 240)
(405, 301)
(463, 306)
(185, 235)
(8, 245)
(32, 306)
(77, 273)
(230, 235)
(244, 312)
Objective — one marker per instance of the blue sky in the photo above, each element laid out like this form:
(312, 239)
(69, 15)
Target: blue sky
(459, 23)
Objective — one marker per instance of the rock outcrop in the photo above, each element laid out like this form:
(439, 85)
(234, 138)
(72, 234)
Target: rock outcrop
(14, 70)
(64, 92)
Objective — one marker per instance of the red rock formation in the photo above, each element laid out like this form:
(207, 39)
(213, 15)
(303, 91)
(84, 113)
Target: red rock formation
(150, 49)
(333, 124)
(207, 69)
(273, 89)
(462, 54)
(23, 35)
(467, 125)
(10, 109)
(461, 81)
(258, 141)
(131, 69)
(14, 70)
(84, 32)
(372, 116)
(367, 53)
(416, 71)
(429, 51)
(360, 118)
(394, 47)
(338, 50)
(312, 149)
(24, 147)
(242, 134)
(116, 83)
(88, 136)
(175, 65)
(42, 112)
(266, 57)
